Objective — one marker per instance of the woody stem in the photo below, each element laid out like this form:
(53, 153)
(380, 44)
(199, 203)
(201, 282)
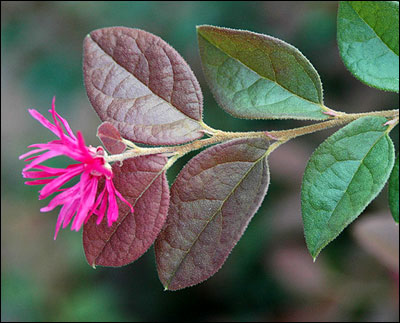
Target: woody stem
(280, 136)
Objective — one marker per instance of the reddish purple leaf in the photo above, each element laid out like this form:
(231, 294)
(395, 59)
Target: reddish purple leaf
(110, 138)
(143, 183)
(212, 201)
(140, 84)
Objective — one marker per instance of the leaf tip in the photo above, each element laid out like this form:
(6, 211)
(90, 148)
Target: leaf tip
(94, 266)
(315, 253)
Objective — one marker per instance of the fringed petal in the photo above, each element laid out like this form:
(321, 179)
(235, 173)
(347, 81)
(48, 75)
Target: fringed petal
(81, 200)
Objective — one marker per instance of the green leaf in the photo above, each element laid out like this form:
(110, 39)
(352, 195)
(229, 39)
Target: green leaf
(368, 39)
(256, 76)
(342, 177)
(394, 191)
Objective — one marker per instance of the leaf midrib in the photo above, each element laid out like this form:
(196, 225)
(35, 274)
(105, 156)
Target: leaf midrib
(373, 30)
(212, 218)
(169, 103)
(349, 184)
(127, 213)
(264, 77)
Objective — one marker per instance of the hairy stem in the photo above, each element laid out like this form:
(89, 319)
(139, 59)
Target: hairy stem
(280, 136)
(337, 121)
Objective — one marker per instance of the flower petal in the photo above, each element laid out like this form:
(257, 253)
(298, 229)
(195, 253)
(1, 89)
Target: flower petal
(74, 205)
(123, 199)
(81, 200)
(46, 123)
(102, 211)
(57, 182)
(38, 182)
(62, 198)
(63, 121)
(42, 158)
(87, 200)
(112, 212)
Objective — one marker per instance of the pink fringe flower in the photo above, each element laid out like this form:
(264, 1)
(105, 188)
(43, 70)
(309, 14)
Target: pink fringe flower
(79, 200)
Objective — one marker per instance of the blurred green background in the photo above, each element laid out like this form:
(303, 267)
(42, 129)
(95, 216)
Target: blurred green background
(269, 276)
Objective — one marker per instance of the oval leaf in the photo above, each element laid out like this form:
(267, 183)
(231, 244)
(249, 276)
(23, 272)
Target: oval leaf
(394, 191)
(142, 181)
(342, 177)
(111, 138)
(140, 84)
(368, 39)
(212, 201)
(255, 76)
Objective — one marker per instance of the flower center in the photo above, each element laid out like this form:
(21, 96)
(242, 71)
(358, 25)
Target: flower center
(98, 155)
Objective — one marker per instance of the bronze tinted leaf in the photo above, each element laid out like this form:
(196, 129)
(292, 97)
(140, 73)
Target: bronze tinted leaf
(143, 183)
(140, 84)
(111, 138)
(212, 201)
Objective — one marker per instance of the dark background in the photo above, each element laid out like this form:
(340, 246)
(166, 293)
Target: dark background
(269, 276)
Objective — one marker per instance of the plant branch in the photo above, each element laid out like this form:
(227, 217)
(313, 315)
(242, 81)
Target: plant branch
(340, 120)
(218, 136)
